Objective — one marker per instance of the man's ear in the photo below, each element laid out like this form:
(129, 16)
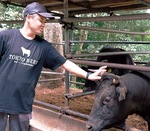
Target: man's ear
(28, 17)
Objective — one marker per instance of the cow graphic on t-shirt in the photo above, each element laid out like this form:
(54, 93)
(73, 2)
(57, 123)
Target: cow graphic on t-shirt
(25, 51)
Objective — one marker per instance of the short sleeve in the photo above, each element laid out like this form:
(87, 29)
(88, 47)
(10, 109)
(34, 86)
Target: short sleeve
(53, 59)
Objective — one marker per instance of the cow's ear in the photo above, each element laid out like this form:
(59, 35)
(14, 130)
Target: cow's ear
(116, 79)
(121, 91)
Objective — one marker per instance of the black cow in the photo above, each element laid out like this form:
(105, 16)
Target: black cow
(117, 97)
(120, 59)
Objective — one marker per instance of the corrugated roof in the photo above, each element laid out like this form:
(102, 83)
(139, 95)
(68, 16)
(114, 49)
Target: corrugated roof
(86, 6)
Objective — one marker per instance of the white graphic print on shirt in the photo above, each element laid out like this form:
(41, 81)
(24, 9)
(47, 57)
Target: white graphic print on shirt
(25, 51)
(25, 60)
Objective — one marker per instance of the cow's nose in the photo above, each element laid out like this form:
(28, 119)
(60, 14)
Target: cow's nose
(89, 127)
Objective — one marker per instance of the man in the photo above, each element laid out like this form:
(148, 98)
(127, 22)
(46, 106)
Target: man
(22, 55)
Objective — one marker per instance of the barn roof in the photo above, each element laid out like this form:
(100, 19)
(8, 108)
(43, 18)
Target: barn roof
(85, 6)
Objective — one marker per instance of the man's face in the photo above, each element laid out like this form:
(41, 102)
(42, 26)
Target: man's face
(36, 23)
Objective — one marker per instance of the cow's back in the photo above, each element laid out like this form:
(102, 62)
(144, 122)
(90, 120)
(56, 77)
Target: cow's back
(138, 89)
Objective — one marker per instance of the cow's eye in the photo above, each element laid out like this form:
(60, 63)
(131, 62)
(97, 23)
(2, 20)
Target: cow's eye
(106, 100)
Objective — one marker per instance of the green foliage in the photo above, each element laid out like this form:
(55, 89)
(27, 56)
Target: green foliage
(128, 26)
(11, 13)
(2, 9)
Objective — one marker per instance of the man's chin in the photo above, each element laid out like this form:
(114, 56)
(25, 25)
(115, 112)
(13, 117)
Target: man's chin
(39, 33)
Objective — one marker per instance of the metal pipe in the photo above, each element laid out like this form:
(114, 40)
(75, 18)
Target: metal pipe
(69, 96)
(115, 65)
(61, 109)
(77, 114)
(66, 36)
(107, 54)
(111, 30)
(54, 73)
(47, 105)
(109, 18)
(140, 62)
(112, 42)
(45, 80)
(74, 82)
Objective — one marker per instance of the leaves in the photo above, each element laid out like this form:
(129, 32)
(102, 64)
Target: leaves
(10, 13)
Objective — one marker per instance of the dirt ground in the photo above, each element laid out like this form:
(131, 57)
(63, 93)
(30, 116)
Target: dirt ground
(81, 104)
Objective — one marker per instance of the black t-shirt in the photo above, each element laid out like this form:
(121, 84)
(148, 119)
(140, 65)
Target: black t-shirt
(21, 62)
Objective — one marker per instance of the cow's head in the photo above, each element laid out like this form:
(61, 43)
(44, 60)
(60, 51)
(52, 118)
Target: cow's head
(89, 85)
(108, 106)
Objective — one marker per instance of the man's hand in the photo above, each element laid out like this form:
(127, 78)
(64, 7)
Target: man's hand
(97, 73)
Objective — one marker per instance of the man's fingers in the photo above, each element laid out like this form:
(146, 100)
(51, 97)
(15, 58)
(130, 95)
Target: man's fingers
(92, 70)
(97, 73)
(103, 68)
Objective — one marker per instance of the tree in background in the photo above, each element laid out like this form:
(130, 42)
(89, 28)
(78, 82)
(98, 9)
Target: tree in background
(128, 26)
(11, 12)
(53, 34)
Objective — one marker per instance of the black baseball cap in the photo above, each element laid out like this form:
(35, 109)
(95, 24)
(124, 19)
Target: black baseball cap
(36, 8)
